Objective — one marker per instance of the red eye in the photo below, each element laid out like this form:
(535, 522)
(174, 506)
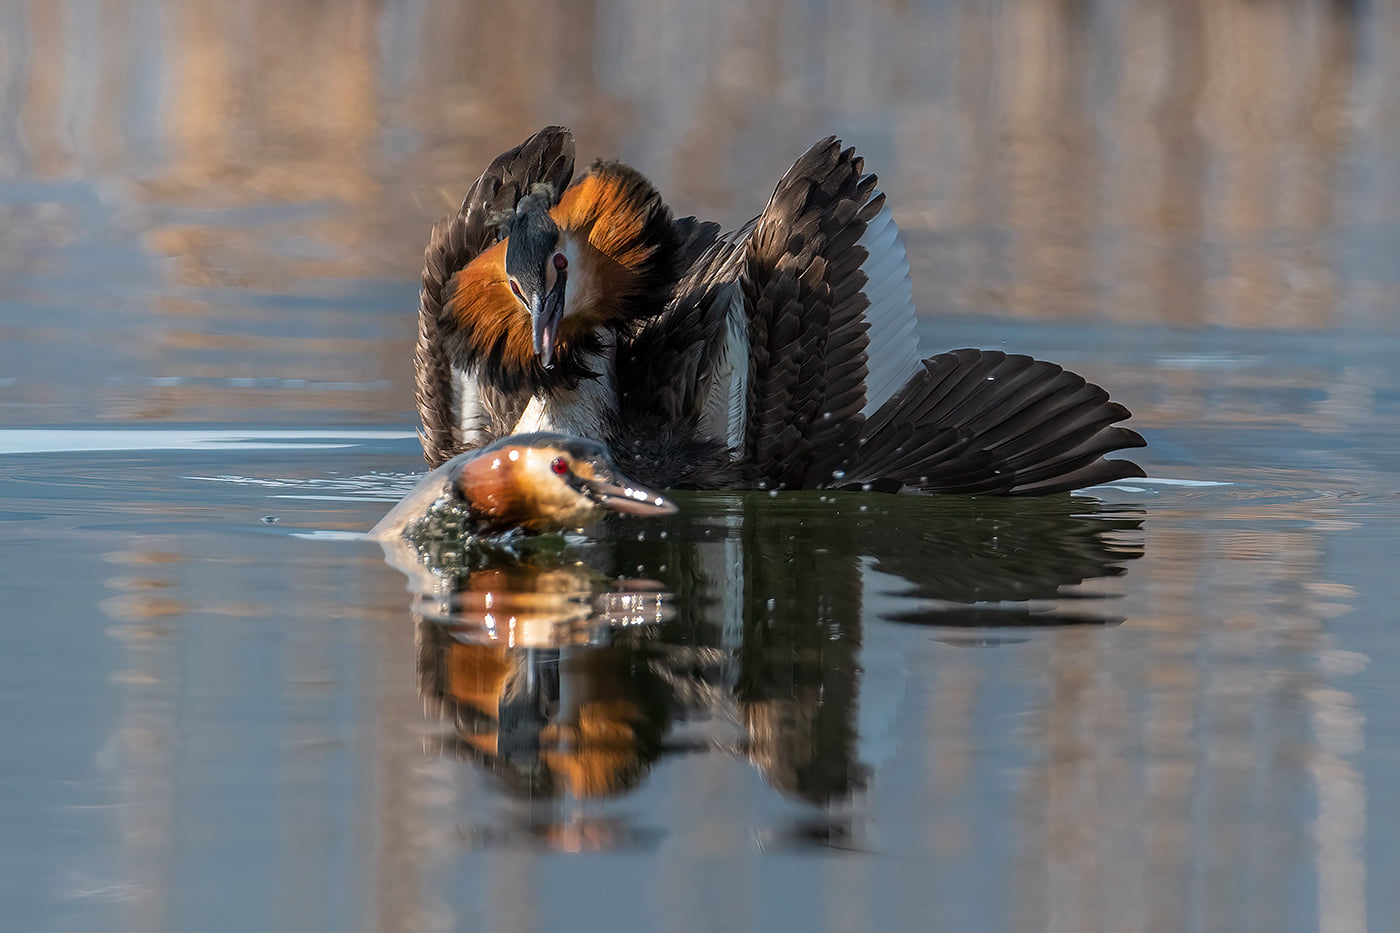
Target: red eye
(560, 466)
(515, 289)
(561, 262)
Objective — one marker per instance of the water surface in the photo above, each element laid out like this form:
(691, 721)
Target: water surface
(1161, 705)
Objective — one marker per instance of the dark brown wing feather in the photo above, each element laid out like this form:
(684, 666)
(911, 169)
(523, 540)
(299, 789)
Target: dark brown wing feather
(694, 237)
(983, 421)
(804, 288)
(665, 369)
(547, 156)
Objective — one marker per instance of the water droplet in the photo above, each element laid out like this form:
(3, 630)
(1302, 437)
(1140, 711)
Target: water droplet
(865, 508)
(772, 493)
(864, 487)
(514, 455)
(772, 604)
(838, 475)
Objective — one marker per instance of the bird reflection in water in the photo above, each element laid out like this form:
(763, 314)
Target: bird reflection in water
(567, 668)
(515, 638)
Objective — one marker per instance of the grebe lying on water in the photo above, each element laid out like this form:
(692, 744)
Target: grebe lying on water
(535, 482)
(780, 355)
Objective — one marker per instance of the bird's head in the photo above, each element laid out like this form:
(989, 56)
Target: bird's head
(532, 313)
(546, 482)
(537, 269)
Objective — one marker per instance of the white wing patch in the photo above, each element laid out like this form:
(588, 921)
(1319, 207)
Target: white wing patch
(726, 404)
(472, 418)
(893, 352)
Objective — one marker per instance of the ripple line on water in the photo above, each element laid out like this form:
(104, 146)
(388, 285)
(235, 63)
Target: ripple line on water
(67, 440)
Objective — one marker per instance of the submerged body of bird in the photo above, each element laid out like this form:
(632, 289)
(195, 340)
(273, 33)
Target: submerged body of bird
(530, 482)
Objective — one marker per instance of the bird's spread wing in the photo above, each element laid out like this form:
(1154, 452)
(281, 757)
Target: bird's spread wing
(454, 418)
(984, 421)
(806, 289)
(782, 336)
(835, 392)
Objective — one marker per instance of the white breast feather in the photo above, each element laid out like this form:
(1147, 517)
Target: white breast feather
(582, 412)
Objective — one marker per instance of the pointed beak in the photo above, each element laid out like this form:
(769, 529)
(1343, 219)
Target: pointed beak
(546, 314)
(623, 495)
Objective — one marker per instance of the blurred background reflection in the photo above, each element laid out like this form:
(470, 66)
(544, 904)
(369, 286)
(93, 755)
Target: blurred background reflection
(233, 195)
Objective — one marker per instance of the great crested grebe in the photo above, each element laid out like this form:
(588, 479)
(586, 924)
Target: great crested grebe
(782, 354)
(534, 482)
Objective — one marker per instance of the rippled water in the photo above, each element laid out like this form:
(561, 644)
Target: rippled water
(1162, 705)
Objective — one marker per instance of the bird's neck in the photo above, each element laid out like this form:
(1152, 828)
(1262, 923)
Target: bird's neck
(586, 409)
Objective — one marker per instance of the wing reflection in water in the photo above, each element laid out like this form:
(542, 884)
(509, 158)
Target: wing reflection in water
(566, 669)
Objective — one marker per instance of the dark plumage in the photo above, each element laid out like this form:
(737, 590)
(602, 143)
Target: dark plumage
(983, 421)
(779, 355)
